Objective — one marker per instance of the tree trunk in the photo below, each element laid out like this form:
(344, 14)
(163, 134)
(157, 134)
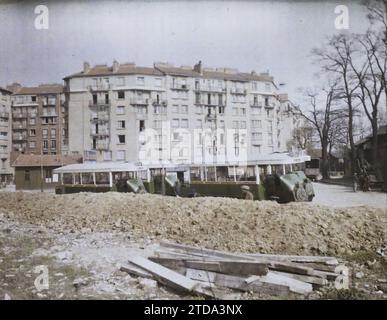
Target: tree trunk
(352, 153)
(324, 156)
(375, 155)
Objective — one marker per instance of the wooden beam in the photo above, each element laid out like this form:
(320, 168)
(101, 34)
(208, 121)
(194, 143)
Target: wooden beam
(309, 279)
(271, 283)
(228, 267)
(136, 271)
(170, 277)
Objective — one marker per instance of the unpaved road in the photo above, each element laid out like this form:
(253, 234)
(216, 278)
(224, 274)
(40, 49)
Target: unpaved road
(342, 196)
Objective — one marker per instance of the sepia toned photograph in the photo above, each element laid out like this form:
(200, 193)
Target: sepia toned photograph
(220, 152)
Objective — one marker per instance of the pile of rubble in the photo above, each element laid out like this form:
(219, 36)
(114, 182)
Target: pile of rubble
(218, 223)
(205, 272)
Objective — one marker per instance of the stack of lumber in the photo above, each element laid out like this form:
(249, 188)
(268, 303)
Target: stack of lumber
(200, 271)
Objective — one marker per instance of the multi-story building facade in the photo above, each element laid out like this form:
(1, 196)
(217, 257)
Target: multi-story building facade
(6, 171)
(191, 114)
(39, 120)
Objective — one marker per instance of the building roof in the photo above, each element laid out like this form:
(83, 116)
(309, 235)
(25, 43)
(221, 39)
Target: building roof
(5, 91)
(381, 131)
(160, 69)
(34, 160)
(41, 89)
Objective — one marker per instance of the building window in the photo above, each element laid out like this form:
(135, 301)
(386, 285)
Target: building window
(45, 144)
(120, 155)
(121, 124)
(199, 123)
(120, 110)
(32, 121)
(107, 155)
(266, 101)
(140, 81)
(121, 94)
(53, 144)
(184, 123)
(121, 138)
(27, 175)
(184, 109)
(175, 123)
(53, 133)
(175, 108)
(243, 124)
(45, 133)
(32, 132)
(158, 82)
(120, 81)
(33, 98)
(32, 144)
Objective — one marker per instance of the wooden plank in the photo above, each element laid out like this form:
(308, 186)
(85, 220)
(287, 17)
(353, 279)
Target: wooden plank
(290, 267)
(136, 271)
(238, 283)
(309, 279)
(170, 277)
(202, 251)
(228, 267)
(216, 255)
(295, 285)
(323, 267)
(331, 276)
(294, 258)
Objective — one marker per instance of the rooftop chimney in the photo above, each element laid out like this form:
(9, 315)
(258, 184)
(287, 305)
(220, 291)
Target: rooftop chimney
(13, 87)
(116, 66)
(198, 67)
(86, 67)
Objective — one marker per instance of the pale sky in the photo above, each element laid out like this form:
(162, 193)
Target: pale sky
(249, 35)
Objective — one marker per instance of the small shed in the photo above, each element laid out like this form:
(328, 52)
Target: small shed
(36, 171)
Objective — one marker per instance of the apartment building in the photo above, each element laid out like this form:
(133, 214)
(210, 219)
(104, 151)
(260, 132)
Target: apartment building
(190, 114)
(6, 171)
(39, 120)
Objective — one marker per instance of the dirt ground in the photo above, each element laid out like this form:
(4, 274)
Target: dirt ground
(84, 238)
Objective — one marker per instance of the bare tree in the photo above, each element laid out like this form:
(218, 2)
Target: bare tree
(334, 59)
(302, 138)
(370, 75)
(321, 114)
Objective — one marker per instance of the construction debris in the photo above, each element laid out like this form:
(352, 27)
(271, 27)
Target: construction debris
(203, 271)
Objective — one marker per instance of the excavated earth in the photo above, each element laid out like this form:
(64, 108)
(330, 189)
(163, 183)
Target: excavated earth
(220, 223)
(83, 239)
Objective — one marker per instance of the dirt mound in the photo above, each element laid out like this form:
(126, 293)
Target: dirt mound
(221, 223)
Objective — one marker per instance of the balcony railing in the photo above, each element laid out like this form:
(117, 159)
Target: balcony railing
(210, 89)
(19, 126)
(4, 154)
(160, 102)
(102, 146)
(100, 87)
(19, 137)
(19, 115)
(180, 87)
(99, 104)
(100, 117)
(140, 101)
(4, 115)
(100, 133)
(48, 114)
(238, 91)
(256, 104)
